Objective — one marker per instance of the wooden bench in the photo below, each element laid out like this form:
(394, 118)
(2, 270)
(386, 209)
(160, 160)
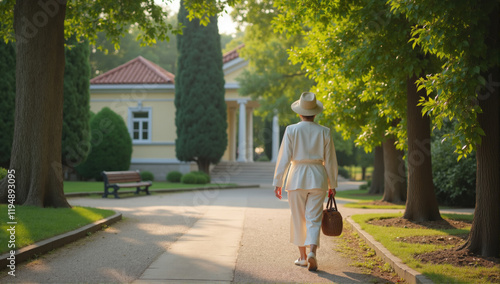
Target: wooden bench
(117, 180)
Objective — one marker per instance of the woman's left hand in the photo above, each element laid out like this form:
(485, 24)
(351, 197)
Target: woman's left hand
(277, 192)
(332, 191)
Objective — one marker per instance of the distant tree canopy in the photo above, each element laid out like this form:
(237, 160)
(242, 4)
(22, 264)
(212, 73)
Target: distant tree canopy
(201, 117)
(163, 53)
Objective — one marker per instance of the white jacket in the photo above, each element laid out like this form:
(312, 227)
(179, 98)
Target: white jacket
(306, 158)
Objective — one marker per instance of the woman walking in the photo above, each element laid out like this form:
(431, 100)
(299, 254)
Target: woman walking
(308, 163)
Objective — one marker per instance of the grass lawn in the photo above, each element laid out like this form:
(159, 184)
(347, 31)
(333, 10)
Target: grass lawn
(98, 186)
(439, 273)
(363, 198)
(36, 224)
(361, 195)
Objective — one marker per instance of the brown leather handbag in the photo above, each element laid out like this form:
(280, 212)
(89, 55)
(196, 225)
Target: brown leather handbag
(332, 222)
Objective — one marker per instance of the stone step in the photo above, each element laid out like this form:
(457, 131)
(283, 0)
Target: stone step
(243, 173)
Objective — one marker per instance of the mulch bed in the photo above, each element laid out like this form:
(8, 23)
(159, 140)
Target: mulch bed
(451, 256)
(404, 223)
(436, 240)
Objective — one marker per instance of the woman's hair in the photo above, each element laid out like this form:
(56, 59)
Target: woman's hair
(308, 116)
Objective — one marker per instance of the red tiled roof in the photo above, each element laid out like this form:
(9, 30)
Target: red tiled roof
(136, 71)
(233, 54)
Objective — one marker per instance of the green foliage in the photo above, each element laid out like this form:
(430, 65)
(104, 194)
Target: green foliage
(147, 175)
(7, 100)
(174, 176)
(457, 33)
(366, 185)
(344, 172)
(205, 178)
(86, 19)
(3, 173)
(190, 178)
(201, 117)
(111, 145)
(195, 178)
(76, 110)
(352, 53)
(455, 181)
(163, 53)
(269, 78)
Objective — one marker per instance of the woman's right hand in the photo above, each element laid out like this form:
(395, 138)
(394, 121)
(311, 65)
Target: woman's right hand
(277, 192)
(332, 191)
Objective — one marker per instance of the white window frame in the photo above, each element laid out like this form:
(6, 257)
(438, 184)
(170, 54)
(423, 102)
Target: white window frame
(131, 121)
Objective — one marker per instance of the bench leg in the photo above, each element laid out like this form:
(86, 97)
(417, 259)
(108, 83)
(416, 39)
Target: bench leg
(147, 190)
(138, 190)
(106, 192)
(115, 192)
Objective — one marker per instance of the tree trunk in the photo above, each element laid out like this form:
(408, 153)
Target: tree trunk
(36, 149)
(421, 204)
(203, 165)
(363, 173)
(484, 236)
(394, 173)
(377, 185)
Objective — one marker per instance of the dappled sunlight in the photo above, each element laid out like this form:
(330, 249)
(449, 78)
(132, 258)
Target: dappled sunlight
(87, 213)
(118, 275)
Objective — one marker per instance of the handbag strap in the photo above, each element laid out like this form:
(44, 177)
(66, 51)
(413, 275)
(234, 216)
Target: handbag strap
(331, 202)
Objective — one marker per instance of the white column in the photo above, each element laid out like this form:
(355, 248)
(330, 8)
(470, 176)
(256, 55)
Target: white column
(250, 135)
(232, 134)
(242, 155)
(276, 138)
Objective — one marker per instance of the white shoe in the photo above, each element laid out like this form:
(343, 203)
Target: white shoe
(301, 262)
(313, 263)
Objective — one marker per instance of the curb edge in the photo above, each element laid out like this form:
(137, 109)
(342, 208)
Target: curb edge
(58, 241)
(410, 275)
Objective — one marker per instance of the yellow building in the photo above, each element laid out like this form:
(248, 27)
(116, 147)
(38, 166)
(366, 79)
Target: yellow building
(143, 94)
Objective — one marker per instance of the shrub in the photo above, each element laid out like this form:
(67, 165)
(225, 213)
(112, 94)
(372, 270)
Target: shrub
(201, 179)
(344, 172)
(111, 145)
(455, 182)
(3, 173)
(204, 175)
(147, 175)
(189, 178)
(174, 176)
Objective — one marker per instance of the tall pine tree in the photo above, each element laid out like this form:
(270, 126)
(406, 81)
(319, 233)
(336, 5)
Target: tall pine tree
(76, 110)
(7, 100)
(201, 115)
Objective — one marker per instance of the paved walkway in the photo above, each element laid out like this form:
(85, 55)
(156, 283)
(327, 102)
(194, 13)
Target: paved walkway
(239, 235)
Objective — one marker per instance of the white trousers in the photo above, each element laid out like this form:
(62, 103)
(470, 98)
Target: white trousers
(307, 213)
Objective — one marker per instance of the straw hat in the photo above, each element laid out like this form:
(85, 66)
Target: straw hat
(307, 105)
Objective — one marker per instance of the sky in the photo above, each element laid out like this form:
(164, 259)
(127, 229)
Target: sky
(225, 23)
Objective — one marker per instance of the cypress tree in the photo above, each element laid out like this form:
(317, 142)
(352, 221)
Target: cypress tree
(76, 109)
(7, 100)
(201, 117)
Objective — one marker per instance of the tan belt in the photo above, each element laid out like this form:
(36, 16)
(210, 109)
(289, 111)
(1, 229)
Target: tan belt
(309, 162)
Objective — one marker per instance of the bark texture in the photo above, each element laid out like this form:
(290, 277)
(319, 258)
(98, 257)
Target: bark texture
(377, 186)
(421, 204)
(484, 236)
(394, 173)
(36, 150)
